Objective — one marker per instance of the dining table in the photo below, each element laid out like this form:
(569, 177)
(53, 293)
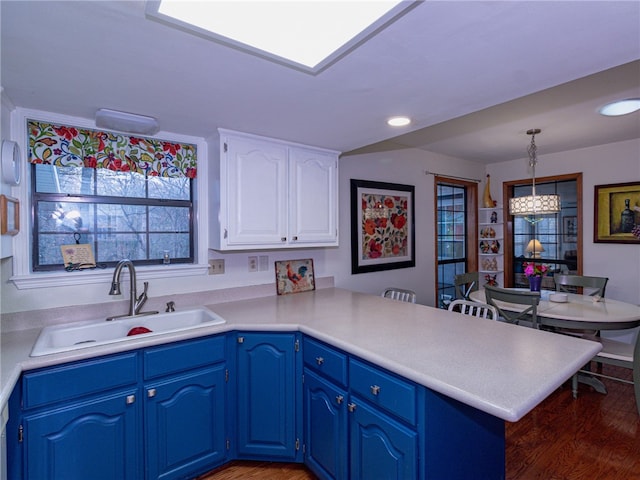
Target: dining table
(576, 313)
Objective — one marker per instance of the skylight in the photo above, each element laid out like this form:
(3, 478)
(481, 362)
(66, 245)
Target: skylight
(305, 34)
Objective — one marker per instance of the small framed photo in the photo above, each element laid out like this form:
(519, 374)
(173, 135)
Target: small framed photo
(570, 228)
(295, 276)
(78, 256)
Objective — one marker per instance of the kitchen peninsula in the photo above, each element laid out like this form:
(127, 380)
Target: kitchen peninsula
(477, 373)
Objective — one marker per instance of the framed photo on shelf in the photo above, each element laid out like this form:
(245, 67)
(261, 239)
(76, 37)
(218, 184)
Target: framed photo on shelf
(617, 213)
(294, 276)
(570, 228)
(9, 215)
(382, 226)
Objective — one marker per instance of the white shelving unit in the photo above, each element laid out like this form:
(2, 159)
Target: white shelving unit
(491, 244)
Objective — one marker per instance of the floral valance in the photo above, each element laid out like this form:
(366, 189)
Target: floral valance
(64, 146)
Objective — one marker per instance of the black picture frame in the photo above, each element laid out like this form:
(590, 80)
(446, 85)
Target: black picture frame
(382, 226)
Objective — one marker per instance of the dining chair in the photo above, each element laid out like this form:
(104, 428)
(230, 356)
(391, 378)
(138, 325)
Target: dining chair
(465, 283)
(477, 309)
(529, 300)
(400, 294)
(620, 354)
(569, 283)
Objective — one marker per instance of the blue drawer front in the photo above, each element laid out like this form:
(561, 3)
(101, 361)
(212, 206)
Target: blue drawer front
(173, 358)
(384, 390)
(75, 380)
(325, 360)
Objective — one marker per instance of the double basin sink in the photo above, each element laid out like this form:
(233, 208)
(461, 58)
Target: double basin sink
(90, 333)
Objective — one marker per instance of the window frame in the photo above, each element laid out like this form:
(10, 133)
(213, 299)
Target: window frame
(507, 194)
(23, 277)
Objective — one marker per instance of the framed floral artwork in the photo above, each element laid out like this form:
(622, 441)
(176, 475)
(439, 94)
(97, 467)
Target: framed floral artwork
(382, 226)
(617, 213)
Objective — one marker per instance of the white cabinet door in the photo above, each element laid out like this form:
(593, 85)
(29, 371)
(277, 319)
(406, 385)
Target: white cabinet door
(256, 192)
(313, 197)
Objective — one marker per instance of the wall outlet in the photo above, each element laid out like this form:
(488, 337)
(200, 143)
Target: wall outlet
(253, 264)
(263, 263)
(216, 266)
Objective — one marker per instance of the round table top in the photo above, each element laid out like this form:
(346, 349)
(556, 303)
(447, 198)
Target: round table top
(580, 311)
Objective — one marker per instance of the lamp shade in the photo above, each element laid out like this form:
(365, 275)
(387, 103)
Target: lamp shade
(534, 205)
(534, 248)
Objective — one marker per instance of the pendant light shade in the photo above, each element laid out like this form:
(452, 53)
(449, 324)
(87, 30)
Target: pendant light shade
(533, 205)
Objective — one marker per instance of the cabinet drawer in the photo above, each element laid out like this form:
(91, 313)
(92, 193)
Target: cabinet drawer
(384, 390)
(168, 359)
(76, 379)
(325, 360)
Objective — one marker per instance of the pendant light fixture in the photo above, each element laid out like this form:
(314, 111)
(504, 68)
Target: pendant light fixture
(533, 205)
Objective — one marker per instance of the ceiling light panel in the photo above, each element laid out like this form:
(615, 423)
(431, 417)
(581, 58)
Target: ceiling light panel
(305, 34)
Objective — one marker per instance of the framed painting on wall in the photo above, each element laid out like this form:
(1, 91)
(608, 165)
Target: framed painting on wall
(570, 228)
(382, 226)
(294, 276)
(617, 213)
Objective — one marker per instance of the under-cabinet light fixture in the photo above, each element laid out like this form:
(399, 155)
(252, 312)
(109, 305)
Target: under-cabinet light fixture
(126, 122)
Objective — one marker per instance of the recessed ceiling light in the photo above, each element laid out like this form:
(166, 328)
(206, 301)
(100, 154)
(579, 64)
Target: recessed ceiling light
(307, 35)
(621, 107)
(398, 121)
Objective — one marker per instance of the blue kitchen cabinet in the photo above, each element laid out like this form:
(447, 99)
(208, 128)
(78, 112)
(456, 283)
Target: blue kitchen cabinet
(360, 421)
(268, 395)
(81, 421)
(185, 407)
(326, 436)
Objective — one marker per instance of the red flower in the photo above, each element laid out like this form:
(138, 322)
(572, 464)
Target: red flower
(134, 140)
(375, 249)
(90, 162)
(66, 132)
(382, 222)
(369, 226)
(172, 148)
(395, 249)
(388, 202)
(191, 172)
(398, 221)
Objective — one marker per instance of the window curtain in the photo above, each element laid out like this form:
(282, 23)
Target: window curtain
(64, 146)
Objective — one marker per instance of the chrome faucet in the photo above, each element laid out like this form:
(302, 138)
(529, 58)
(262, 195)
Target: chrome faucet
(135, 302)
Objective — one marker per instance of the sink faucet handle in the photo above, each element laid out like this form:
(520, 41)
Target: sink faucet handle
(139, 302)
(171, 306)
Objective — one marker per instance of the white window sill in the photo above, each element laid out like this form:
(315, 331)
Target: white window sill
(83, 277)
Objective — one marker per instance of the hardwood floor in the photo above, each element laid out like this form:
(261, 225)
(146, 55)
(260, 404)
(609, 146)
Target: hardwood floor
(593, 437)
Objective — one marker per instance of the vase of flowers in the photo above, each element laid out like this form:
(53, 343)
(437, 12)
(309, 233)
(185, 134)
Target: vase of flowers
(535, 272)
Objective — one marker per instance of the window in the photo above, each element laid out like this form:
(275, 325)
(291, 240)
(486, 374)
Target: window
(455, 230)
(554, 240)
(126, 197)
(120, 214)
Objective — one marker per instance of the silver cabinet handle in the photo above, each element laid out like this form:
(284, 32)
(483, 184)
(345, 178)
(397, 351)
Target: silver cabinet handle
(319, 360)
(339, 399)
(295, 239)
(375, 389)
(351, 407)
(131, 399)
(283, 239)
(151, 393)
(240, 340)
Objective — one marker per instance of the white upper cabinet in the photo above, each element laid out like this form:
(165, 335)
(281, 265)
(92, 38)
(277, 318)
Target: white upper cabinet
(273, 194)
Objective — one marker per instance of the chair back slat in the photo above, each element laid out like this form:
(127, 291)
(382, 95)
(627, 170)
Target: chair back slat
(529, 300)
(465, 283)
(400, 294)
(476, 309)
(569, 283)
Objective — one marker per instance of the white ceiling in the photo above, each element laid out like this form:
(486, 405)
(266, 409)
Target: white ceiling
(473, 75)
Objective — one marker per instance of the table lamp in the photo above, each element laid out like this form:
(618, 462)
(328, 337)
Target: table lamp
(534, 248)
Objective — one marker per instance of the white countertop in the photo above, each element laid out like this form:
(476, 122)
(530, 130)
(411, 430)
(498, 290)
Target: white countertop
(504, 370)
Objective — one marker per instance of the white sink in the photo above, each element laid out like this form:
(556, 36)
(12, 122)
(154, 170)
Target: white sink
(72, 336)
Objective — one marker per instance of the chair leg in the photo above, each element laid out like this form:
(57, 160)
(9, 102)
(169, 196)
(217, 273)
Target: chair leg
(574, 385)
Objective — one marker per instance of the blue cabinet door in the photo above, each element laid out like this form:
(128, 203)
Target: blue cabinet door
(96, 439)
(380, 446)
(326, 428)
(185, 423)
(268, 388)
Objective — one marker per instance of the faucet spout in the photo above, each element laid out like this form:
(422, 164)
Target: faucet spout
(135, 302)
